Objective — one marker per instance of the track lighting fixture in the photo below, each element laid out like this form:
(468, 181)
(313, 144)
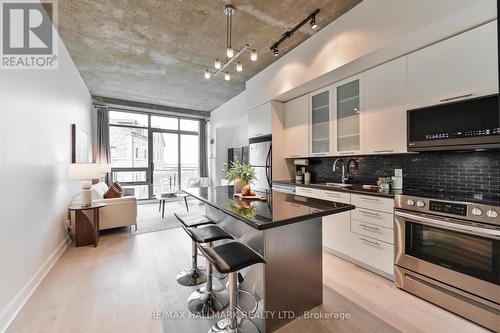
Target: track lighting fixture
(313, 23)
(311, 19)
(231, 53)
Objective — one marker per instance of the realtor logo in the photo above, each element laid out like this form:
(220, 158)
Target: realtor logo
(28, 38)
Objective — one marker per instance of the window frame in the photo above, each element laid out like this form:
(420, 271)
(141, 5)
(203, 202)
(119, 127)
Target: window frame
(150, 154)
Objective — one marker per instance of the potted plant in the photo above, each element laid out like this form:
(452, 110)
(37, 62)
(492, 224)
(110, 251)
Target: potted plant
(384, 183)
(241, 174)
(298, 176)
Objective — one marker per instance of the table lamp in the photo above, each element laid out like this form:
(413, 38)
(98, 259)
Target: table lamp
(86, 172)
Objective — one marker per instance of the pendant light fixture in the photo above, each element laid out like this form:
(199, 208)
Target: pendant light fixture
(231, 53)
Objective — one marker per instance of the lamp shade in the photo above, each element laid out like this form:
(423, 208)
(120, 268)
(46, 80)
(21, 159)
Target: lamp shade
(87, 171)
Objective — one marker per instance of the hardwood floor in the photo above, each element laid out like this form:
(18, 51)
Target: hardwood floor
(118, 285)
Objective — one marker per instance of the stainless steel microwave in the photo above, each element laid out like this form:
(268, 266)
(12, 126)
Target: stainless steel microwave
(462, 125)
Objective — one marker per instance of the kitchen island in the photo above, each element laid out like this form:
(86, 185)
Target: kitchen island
(286, 230)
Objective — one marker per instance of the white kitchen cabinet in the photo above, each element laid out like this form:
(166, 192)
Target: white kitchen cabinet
(347, 116)
(374, 253)
(296, 129)
(460, 67)
(320, 120)
(385, 108)
(259, 121)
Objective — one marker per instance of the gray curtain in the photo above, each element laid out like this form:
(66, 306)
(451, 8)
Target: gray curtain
(203, 149)
(101, 150)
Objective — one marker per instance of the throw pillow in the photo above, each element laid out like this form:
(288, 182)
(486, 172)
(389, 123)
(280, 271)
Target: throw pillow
(114, 191)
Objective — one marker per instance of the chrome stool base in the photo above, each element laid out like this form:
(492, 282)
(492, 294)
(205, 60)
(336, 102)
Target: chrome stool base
(245, 325)
(205, 303)
(192, 277)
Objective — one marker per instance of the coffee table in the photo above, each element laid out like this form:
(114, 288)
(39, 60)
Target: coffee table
(164, 199)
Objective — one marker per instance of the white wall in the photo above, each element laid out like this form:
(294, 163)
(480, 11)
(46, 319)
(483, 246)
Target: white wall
(37, 108)
(371, 26)
(228, 127)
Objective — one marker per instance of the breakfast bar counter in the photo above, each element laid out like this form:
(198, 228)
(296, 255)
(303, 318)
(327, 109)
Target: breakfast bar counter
(286, 230)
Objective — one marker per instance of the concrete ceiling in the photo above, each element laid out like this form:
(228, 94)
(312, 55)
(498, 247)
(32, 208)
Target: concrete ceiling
(155, 51)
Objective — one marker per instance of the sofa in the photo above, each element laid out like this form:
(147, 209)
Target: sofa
(119, 212)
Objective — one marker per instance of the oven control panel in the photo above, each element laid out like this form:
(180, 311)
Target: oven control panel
(475, 212)
(448, 208)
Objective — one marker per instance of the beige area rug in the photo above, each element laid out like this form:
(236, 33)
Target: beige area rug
(149, 217)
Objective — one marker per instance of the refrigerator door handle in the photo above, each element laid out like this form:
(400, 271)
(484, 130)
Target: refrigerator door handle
(269, 167)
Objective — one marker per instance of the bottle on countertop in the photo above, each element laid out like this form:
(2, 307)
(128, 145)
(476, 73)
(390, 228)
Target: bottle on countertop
(397, 179)
(307, 178)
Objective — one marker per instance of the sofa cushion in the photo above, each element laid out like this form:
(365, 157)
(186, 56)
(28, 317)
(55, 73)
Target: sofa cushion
(114, 191)
(98, 190)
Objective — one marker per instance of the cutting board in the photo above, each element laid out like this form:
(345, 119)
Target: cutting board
(250, 197)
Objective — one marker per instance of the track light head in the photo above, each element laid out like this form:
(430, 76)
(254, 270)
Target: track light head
(217, 64)
(313, 23)
(275, 52)
(239, 67)
(229, 52)
(207, 74)
(227, 76)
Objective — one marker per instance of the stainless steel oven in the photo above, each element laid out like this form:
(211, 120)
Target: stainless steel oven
(449, 253)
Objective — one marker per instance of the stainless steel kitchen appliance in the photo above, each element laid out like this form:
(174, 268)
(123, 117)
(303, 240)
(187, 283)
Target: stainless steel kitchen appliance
(459, 125)
(260, 157)
(448, 252)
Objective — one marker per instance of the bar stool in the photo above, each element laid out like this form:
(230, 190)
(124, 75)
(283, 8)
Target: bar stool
(192, 276)
(207, 301)
(230, 258)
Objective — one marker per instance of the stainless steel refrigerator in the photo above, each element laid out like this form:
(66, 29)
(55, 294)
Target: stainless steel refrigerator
(260, 157)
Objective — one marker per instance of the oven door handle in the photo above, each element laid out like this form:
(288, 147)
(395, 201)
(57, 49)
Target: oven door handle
(483, 232)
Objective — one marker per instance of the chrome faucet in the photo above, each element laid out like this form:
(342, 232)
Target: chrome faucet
(345, 173)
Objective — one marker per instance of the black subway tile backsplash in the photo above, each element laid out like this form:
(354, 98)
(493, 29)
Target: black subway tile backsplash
(468, 172)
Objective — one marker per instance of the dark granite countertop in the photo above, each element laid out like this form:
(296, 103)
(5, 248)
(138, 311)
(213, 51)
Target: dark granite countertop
(279, 209)
(355, 188)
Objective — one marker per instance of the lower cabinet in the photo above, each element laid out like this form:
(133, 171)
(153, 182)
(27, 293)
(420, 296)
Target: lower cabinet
(364, 235)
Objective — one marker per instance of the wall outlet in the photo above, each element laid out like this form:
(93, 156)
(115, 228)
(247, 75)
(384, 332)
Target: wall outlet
(398, 172)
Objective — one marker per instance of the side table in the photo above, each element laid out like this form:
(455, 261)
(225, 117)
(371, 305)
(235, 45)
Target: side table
(86, 231)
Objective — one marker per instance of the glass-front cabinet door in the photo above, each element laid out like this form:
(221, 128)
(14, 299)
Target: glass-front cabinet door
(347, 112)
(320, 121)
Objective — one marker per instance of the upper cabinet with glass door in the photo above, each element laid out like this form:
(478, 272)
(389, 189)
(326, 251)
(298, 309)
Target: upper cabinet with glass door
(320, 116)
(347, 117)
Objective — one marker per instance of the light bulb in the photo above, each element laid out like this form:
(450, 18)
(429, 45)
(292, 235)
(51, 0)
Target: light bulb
(227, 76)
(207, 74)
(217, 64)
(253, 55)
(229, 52)
(313, 23)
(239, 67)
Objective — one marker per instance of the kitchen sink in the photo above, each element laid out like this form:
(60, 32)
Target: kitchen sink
(338, 185)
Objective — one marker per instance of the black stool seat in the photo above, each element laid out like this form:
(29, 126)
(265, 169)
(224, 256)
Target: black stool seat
(209, 233)
(231, 257)
(193, 220)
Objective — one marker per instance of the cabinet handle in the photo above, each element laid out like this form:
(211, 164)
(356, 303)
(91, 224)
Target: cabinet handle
(369, 227)
(370, 199)
(294, 156)
(384, 151)
(318, 154)
(305, 190)
(456, 97)
(369, 241)
(369, 213)
(330, 194)
(347, 153)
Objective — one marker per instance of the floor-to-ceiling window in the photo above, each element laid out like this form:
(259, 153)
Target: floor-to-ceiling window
(153, 153)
